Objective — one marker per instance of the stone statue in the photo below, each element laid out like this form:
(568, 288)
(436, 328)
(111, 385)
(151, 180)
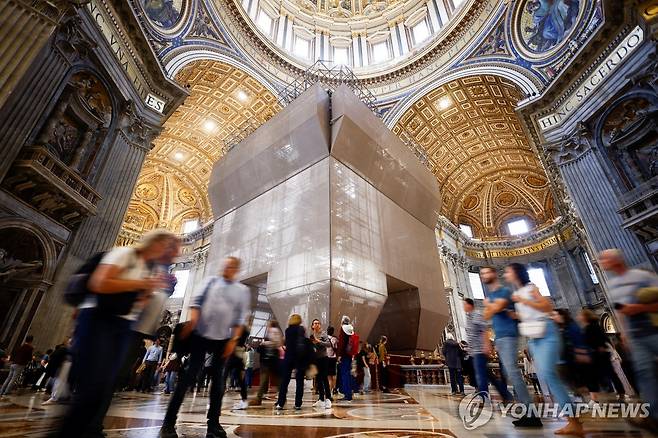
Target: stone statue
(10, 267)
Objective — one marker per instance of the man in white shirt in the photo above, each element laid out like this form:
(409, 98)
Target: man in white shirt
(218, 313)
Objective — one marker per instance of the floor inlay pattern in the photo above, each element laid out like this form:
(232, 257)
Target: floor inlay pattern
(416, 412)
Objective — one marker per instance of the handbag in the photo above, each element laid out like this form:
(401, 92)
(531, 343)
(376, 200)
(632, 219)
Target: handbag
(533, 329)
(311, 372)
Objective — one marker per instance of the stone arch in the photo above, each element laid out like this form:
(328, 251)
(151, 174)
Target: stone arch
(28, 266)
(523, 82)
(178, 59)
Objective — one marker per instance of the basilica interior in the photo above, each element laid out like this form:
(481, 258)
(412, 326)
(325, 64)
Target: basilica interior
(362, 157)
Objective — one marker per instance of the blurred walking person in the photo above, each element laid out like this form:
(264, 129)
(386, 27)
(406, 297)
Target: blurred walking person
(480, 348)
(219, 311)
(631, 293)
(120, 285)
(499, 308)
(382, 356)
(269, 360)
(19, 360)
(533, 311)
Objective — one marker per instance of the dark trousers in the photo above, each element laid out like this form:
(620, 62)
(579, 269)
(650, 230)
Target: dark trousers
(345, 371)
(235, 369)
(322, 378)
(483, 377)
(248, 377)
(383, 376)
(99, 345)
(199, 346)
(269, 370)
(127, 378)
(148, 375)
(300, 371)
(456, 379)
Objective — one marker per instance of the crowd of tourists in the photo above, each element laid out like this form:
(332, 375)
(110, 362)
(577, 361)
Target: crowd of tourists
(120, 296)
(564, 356)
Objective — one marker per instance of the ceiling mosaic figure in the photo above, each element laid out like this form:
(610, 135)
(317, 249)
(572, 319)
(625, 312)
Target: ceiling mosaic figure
(546, 23)
(164, 13)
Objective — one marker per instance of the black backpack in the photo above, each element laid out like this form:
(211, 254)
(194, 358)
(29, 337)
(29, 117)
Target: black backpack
(76, 290)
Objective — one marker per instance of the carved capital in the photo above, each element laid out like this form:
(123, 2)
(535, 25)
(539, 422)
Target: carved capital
(72, 41)
(570, 147)
(135, 128)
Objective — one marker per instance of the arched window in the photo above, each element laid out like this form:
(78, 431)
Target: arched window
(466, 229)
(518, 226)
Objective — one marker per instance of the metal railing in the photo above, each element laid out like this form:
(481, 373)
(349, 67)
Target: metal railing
(331, 76)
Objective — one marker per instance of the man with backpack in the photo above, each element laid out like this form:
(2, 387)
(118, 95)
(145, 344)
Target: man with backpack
(348, 347)
(218, 314)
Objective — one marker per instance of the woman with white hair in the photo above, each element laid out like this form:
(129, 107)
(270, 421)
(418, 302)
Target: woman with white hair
(120, 285)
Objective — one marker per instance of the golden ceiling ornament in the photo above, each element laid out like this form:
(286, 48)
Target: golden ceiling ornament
(186, 197)
(222, 99)
(147, 191)
(506, 199)
(472, 135)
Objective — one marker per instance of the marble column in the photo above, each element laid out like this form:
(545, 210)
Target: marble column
(37, 88)
(26, 28)
(594, 196)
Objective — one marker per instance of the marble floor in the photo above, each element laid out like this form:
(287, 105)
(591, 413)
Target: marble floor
(413, 412)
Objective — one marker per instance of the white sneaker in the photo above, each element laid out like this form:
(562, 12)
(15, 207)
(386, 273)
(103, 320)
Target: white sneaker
(320, 404)
(241, 405)
(327, 404)
(50, 401)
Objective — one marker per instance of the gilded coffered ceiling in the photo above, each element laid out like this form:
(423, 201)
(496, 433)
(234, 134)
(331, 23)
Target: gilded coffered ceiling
(487, 171)
(173, 184)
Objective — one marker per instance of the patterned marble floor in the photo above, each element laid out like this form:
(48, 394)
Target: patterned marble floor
(414, 412)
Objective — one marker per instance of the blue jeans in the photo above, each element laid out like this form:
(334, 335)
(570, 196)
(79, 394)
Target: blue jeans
(508, 352)
(345, 370)
(545, 353)
(170, 381)
(15, 371)
(644, 351)
(483, 377)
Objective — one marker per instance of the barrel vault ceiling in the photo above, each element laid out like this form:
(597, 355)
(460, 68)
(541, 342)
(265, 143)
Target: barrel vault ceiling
(172, 186)
(476, 147)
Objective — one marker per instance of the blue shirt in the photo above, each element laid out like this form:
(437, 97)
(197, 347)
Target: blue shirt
(503, 325)
(222, 305)
(153, 354)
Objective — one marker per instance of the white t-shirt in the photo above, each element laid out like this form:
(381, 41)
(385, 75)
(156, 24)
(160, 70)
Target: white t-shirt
(133, 268)
(525, 312)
